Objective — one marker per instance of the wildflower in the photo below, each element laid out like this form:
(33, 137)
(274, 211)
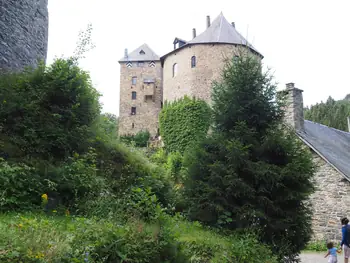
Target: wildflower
(20, 225)
(54, 211)
(44, 197)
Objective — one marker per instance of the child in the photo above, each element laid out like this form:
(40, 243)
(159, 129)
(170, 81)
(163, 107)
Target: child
(332, 253)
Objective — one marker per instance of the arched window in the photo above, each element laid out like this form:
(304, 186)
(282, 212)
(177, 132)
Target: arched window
(175, 70)
(193, 62)
(133, 95)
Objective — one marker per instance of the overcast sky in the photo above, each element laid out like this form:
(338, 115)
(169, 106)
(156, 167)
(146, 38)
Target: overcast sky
(303, 41)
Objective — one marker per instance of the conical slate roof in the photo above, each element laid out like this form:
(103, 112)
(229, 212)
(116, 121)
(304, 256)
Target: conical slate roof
(142, 53)
(221, 31)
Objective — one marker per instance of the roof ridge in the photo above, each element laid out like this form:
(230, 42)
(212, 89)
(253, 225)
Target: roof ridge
(219, 35)
(320, 124)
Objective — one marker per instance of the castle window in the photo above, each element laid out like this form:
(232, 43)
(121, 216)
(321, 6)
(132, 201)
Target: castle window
(133, 80)
(175, 70)
(142, 52)
(193, 62)
(133, 95)
(140, 64)
(148, 98)
(133, 110)
(133, 125)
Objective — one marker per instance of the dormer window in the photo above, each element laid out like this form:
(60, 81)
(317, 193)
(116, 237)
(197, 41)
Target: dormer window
(142, 52)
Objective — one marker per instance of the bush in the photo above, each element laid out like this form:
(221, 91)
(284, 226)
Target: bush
(20, 187)
(139, 140)
(251, 173)
(183, 123)
(47, 113)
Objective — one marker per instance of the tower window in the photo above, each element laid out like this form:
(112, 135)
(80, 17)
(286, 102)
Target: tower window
(140, 64)
(133, 80)
(142, 52)
(193, 62)
(133, 125)
(133, 95)
(133, 110)
(175, 70)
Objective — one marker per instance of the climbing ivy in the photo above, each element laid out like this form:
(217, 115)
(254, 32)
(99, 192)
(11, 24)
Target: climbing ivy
(184, 122)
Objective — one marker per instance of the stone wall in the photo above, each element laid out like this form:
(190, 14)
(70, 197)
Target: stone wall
(331, 201)
(195, 81)
(23, 33)
(146, 117)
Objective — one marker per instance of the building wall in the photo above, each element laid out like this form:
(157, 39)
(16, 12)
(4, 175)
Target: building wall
(24, 33)
(195, 81)
(331, 201)
(146, 117)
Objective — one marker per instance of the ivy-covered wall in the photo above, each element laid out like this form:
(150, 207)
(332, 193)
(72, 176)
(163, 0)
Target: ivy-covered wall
(184, 122)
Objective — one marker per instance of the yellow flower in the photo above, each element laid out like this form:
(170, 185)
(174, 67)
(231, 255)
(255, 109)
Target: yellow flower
(20, 225)
(54, 211)
(44, 196)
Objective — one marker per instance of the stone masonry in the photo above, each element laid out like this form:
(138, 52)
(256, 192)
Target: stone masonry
(330, 201)
(147, 108)
(23, 33)
(196, 81)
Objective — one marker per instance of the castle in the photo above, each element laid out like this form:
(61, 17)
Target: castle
(147, 80)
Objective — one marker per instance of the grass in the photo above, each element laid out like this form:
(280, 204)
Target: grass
(42, 239)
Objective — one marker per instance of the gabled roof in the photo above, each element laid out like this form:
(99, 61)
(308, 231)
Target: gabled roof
(331, 144)
(220, 31)
(142, 53)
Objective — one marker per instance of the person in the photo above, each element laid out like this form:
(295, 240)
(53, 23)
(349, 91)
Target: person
(332, 253)
(345, 242)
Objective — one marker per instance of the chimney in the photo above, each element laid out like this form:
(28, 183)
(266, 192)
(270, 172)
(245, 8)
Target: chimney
(194, 33)
(294, 111)
(233, 24)
(208, 21)
(126, 53)
(348, 118)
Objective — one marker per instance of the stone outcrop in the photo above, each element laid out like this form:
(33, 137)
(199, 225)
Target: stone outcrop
(23, 33)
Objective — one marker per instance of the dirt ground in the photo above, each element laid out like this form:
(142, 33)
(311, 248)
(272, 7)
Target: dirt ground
(318, 258)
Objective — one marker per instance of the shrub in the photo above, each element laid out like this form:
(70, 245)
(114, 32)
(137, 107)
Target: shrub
(251, 173)
(140, 139)
(20, 187)
(183, 123)
(47, 112)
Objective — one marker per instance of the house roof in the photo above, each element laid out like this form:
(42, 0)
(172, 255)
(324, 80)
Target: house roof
(220, 31)
(331, 144)
(137, 55)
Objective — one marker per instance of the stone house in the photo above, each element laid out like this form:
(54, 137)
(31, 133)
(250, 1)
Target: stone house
(331, 153)
(188, 69)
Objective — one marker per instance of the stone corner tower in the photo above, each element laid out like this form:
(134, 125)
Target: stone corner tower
(140, 91)
(23, 33)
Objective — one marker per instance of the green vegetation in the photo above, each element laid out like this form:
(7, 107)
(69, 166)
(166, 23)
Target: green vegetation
(251, 173)
(317, 246)
(331, 113)
(183, 123)
(71, 191)
(140, 139)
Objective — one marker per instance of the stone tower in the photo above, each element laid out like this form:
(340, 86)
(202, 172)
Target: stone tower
(23, 33)
(190, 68)
(140, 91)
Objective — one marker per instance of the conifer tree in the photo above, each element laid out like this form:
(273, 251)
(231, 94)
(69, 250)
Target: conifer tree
(251, 172)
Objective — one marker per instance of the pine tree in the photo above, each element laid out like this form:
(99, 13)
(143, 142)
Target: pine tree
(251, 172)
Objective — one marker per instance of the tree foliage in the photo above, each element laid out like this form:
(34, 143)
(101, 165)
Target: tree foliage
(183, 123)
(331, 113)
(48, 112)
(250, 172)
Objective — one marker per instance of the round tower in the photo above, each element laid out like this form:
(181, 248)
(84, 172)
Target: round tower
(192, 66)
(23, 33)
